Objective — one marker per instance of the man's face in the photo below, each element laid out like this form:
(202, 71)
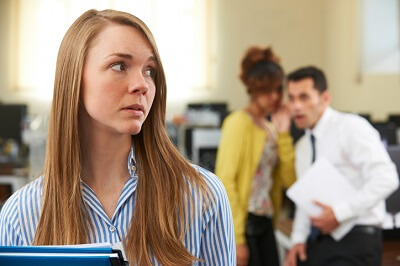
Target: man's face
(306, 103)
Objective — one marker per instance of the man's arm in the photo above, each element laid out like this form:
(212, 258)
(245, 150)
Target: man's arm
(363, 148)
(301, 227)
(326, 222)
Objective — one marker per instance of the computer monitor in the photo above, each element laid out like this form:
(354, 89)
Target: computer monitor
(387, 130)
(394, 118)
(205, 143)
(11, 119)
(365, 116)
(207, 158)
(393, 201)
(220, 108)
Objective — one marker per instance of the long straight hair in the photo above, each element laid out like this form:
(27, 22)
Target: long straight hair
(162, 197)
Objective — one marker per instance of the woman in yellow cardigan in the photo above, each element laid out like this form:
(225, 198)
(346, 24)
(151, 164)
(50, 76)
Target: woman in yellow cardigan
(255, 159)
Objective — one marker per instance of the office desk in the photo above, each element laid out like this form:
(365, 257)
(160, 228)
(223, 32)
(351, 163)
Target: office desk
(16, 182)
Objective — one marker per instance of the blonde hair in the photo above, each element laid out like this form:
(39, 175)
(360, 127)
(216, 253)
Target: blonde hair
(159, 224)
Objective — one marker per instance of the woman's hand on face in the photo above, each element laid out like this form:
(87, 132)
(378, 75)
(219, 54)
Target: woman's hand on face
(281, 119)
(242, 255)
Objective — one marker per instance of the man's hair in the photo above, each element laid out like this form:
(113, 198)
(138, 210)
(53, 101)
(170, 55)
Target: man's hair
(312, 72)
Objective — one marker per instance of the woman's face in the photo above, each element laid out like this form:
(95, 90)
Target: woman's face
(118, 81)
(270, 101)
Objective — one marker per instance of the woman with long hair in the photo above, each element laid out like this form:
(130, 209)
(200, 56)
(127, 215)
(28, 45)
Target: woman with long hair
(255, 158)
(111, 173)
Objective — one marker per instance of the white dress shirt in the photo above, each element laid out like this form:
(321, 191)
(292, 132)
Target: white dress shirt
(354, 147)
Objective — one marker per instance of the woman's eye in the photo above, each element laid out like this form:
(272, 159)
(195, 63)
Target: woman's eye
(150, 72)
(118, 67)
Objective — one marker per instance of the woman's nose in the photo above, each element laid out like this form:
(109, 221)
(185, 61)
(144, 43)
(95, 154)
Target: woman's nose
(138, 83)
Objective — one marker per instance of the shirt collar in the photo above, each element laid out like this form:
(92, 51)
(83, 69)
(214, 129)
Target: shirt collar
(132, 167)
(322, 124)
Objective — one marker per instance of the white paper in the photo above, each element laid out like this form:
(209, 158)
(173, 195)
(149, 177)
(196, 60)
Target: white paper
(322, 182)
(93, 245)
(118, 245)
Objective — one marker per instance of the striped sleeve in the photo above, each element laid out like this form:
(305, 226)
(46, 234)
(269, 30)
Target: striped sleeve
(10, 227)
(218, 240)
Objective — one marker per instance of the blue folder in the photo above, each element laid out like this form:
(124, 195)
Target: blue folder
(60, 256)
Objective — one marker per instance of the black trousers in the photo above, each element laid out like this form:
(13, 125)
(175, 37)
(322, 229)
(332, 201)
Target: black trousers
(362, 246)
(260, 237)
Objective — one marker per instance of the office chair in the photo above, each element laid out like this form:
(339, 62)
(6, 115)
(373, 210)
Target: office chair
(393, 201)
(395, 118)
(387, 130)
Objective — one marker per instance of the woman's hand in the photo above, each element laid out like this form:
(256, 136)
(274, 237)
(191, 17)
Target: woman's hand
(298, 251)
(242, 255)
(281, 119)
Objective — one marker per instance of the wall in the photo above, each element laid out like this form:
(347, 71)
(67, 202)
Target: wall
(8, 70)
(320, 32)
(4, 46)
(324, 33)
(294, 29)
(352, 90)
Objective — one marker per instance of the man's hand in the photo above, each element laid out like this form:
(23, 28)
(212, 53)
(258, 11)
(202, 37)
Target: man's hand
(326, 222)
(297, 251)
(242, 255)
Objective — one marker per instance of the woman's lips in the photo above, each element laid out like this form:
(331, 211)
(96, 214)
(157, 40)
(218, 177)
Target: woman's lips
(135, 109)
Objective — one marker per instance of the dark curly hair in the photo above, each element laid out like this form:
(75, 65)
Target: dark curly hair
(261, 71)
(316, 74)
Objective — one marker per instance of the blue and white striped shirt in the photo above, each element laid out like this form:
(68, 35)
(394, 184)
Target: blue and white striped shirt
(209, 237)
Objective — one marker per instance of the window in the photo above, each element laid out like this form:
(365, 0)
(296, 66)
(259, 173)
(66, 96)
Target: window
(381, 36)
(180, 27)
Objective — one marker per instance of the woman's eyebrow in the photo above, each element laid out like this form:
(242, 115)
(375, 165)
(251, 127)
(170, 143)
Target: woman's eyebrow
(127, 56)
(152, 58)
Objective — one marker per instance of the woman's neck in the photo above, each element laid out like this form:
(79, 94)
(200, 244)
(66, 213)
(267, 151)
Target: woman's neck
(255, 111)
(105, 157)
(257, 114)
(105, 168)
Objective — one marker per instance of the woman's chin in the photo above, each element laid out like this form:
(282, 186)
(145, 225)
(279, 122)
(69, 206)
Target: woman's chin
(132, 130)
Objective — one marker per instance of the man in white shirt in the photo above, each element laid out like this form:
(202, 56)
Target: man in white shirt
(354, 148)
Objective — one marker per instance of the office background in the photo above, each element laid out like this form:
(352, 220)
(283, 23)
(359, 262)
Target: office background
(333, 35)
(201, 42)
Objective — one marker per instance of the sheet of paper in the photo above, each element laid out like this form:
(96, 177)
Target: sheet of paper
(94, 245)
(323, 182)
(118, 245)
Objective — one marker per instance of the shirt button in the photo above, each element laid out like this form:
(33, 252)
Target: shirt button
(112, 228)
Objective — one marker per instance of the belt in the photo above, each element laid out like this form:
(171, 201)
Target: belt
(366, 229)
(358, 229)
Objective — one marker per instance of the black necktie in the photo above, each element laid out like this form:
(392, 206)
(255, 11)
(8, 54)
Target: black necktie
(314, 231)
(312, 138)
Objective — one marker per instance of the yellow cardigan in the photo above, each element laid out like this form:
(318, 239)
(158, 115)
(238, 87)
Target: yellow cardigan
(238, 156)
